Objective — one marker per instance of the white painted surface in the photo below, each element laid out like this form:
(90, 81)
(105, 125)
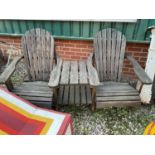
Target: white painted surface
(146, 91)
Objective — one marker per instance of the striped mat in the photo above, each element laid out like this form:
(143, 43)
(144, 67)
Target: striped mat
(19, 117)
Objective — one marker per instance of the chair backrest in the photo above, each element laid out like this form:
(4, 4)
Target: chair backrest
(109, 48)
(38, 50)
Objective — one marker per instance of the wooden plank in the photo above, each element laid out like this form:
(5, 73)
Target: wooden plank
(82, 72)
(100, 55)
(141, 74)
(65, 73)
(113, 46)
(127, 93)
(117, 104)
(74, 73)
(97, 56)
(88, 93)
(108, 53)
(122, 52)
(32, 98)
(83, 94)
(118, 47)
(71, 95)
(77, 95)
(66, 95)
(104, 49)
(60, 95)
(118, 98)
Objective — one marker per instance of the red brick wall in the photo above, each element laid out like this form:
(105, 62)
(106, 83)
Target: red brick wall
(75, 50)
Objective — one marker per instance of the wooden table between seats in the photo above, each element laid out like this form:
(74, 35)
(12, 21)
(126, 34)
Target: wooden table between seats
(73, 73)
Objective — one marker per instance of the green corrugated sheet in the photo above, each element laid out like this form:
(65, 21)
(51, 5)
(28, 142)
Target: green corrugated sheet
(80, 30)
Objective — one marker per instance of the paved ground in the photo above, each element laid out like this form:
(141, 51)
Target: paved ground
(118, 121)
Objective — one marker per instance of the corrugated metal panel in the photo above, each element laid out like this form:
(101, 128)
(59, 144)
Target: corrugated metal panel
(135, 32)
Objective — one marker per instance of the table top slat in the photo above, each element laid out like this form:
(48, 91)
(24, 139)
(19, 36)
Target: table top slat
(65, 73)
(82, 72)
(74, 72)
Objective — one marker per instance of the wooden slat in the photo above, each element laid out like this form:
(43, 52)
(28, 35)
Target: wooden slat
(66, 95)
(34, 93)
(117, 104)
(71, 95)
(82, 73)
(74, 73)
(118, 98)
(128, 93)
(104, 49)
(100, 55)
(108, 53)
(65, 73)
(77, 95)
(60, 95)
(121, 59)
(118, 48)
(113, 46)
(83, 94)
(88, 92)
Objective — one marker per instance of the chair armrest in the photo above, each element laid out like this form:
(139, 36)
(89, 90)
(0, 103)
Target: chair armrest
(9, 70)
(139, 71)
(55, 74)
(92, 72)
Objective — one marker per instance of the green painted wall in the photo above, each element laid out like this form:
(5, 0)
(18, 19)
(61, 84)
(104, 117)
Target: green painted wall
(80, 30)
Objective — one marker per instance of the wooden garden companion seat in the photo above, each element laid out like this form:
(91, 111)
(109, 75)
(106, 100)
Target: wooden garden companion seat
(109, 52)
(38, 50)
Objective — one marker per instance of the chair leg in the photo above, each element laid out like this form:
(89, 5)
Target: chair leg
(55, 97)
(93, 93)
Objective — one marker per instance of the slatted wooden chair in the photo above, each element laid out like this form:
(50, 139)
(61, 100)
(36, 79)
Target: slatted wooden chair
(109, 50)
(38, 50)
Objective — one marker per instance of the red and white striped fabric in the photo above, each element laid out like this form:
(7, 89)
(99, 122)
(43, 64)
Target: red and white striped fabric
(19, 117)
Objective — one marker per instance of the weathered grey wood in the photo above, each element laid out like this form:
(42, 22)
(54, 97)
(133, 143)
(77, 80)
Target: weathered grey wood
(4, 77)
(118, 98)
(37, 93)
(92, 74)
(118, 104)
(37, 45)
(112, 45)
(121, 59)
(74, 76)
(113, 52)
(117, 55)
(83, 73)
(60, 95)
(65, 73)
(108, 31)
(77, 95)
(55, 75)
(83, 94)
(66, 95)
(128, 93)
(143, 77)
(88, 93)
(71, 95)
(100, 55)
